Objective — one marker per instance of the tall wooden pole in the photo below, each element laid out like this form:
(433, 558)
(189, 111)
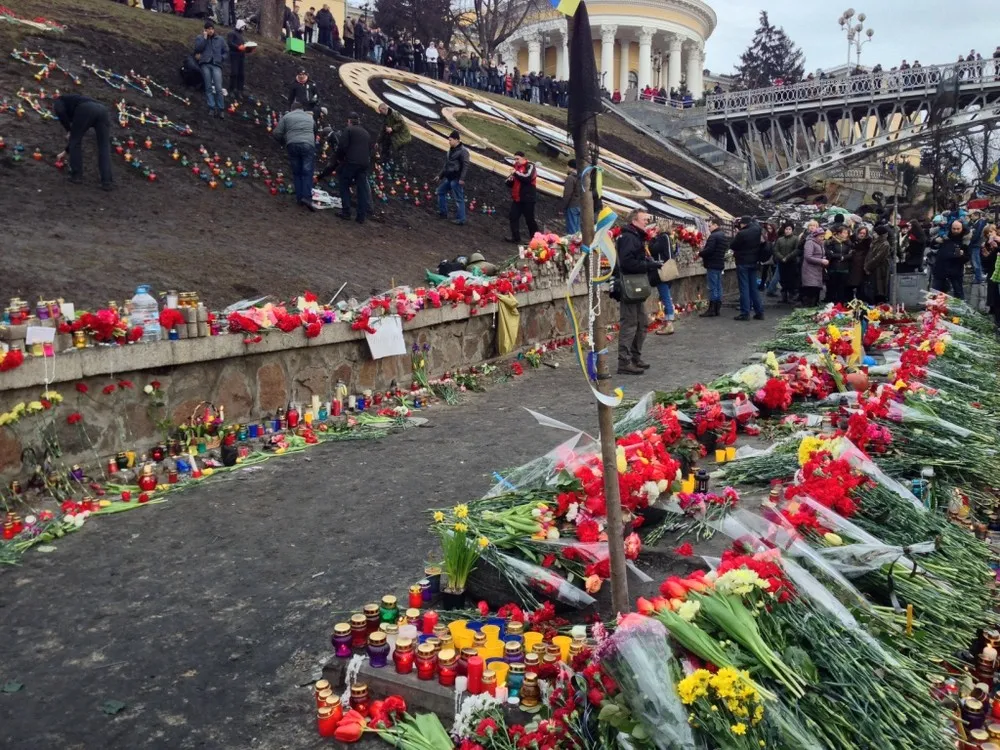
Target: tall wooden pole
(585, 146)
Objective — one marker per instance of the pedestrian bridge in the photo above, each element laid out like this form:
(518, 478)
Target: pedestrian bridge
(787, 133)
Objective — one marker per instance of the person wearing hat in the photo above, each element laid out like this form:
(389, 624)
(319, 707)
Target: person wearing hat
(479, 263)
(237, 56)
(354, 156)
(456, 166)
(210, 52)
(877, 265)
(305, 92)
(787, 256)
(523, 194)
(297, 131)
(393, 136)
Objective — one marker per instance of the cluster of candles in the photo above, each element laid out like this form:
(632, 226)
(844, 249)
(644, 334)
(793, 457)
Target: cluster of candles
(980, 714)
(329, 711)
(698, 481)
(494, 656)
(722, 455)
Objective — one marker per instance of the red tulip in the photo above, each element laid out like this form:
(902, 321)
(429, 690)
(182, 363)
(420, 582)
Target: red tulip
(348, 732)
(643, 606)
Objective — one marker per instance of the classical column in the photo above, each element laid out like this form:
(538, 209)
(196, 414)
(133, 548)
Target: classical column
(674, 64)
(608, 57)
(564, 74)
(699, 78)
(645, 55)
(534, 40)
(693, 59)
(625, 48)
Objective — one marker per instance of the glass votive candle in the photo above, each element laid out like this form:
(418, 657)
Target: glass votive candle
(403, 656)
(426, 661)
(512, 653)
(514, 628)
(359, 631)
(333, 703)
(378, 649)
(515, 679)
(325, 723)
(342, 640)
(490, 682)
(408, 631)
(446, 667)
(415, 599)
(359, 698)
(426, 593)
(530, 692)
(532, 663)
(371, 613)
(388, 610)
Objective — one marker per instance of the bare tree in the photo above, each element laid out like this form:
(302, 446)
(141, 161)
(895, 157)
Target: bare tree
(486, 24)
(977, 150)
(272, 16)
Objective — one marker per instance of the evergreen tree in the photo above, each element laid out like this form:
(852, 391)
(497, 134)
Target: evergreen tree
(770, 56)
(423, 19)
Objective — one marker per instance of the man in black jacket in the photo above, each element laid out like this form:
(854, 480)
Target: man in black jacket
(746, 253)
(324, 22)
(949, 262)
(354, 154)
(633, 259)
(456, 165)
(713, 257)
(78, 114)
(237, 57)
(305, 92)
(523, 195)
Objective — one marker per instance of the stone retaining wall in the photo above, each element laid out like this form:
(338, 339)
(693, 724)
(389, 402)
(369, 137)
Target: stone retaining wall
(252, 381)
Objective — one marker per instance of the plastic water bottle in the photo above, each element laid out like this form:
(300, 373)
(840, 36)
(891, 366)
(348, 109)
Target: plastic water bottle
(146, 313)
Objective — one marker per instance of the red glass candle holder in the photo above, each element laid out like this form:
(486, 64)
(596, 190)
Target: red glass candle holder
(474, 673)
(426, 662)
(325, 723)
(403, 657)
(430, 620)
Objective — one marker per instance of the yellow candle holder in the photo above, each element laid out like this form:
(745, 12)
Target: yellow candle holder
(563, 642)
(687, 486)
(492, 633)
(730, 452)
(500, 668)
(491, 651)
(463, 638)
(530, 639)
(720, 455)
(457, 626)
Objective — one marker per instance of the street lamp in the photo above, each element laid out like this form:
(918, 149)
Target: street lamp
(857, 34)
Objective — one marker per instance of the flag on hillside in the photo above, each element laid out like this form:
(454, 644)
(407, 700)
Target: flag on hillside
(566, 7)
(584, 93)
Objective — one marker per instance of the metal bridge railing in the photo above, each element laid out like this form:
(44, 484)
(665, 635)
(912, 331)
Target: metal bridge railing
(984, 73)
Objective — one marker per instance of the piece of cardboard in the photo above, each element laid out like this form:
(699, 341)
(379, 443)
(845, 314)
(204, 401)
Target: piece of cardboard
(387, 341)
(39, 335)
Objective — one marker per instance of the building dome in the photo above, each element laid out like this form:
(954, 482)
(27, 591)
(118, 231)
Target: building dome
(641, 43)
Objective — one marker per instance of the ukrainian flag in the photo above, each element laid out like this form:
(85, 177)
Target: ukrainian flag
(994, 171)
(566, 7)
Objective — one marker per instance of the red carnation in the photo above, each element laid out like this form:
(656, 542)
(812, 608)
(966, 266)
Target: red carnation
(82, 388)
(587, 531)
(123, 384)
(685, 550)
(314, 329)
(74, 418)
(108, 389)
(484, 608)
(155, 384)
(11, 360)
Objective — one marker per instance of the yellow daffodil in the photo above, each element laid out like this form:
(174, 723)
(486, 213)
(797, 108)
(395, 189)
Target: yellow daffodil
(483, 542)
(834, 332)
(461, 511)
(461, 528)
(438, 516)
(739, 729)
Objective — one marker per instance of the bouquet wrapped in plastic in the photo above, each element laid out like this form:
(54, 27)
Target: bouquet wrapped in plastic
(638, 658)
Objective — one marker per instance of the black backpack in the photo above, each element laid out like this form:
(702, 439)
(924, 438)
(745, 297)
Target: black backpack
(191, 73)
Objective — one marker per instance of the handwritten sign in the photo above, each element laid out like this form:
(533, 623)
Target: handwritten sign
(387, 341)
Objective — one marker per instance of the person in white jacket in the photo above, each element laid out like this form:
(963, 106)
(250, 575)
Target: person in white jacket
(432, 60)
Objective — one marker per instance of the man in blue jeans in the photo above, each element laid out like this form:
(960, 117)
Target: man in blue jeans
(456, 165)
(746, 254)
(297, 130)
(210, 51)
(571, 198)
(354, 155)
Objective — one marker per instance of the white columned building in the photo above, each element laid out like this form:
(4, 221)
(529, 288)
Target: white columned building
(659, 43)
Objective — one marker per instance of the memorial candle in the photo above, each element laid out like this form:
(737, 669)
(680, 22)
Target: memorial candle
(342, 640)
(403, 656)
(416, 600)
(325, 723)
(446, 667)
(426, 661)
(430, 620)
(359, 631)
(474, 673)
(378, 649)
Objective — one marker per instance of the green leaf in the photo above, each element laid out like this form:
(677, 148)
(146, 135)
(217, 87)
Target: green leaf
(112, 707)
(640, 733)
(608, 711)
(11, 687)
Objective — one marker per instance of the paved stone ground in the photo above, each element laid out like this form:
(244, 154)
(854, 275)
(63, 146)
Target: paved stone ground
(206, 615)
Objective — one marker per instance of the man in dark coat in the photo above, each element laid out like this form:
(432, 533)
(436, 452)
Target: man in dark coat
(78, 114)
(393, 136)
(746, 253)
(877, 265)
(838, 251)
(210, 50)
(324, 22)
(949, 262)
(237, 57)
(523, 195)
(713, 257)
(456, 165)
(305, 92)
(633, 259)
(354, 154)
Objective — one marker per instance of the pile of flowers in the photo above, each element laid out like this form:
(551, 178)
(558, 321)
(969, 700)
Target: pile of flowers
(546, 248)
(776, 395)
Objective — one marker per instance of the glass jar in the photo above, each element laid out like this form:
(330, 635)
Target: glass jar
(530, 692)
(378, 649)
(403, 656)
(325, 724)
(391, 631)
(426, 661)
(532, 663)
(429, 622)
(515, 679)
(388, 610)
(515, 628)
(973, 713)
(446, 667)
(994, 731)
(359, 631)
(371, 612)
(539, 648)
(342, 640)
(550, 665)
(441, 632)
(479, 640)
(463, 660)
(415, 599)
(513, 653)
(412, 617)
(576, 647)
(490, 682)
(333, 703)
(426, 592)
(359, 698)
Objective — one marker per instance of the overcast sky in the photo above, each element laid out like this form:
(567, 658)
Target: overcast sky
(931, 31)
